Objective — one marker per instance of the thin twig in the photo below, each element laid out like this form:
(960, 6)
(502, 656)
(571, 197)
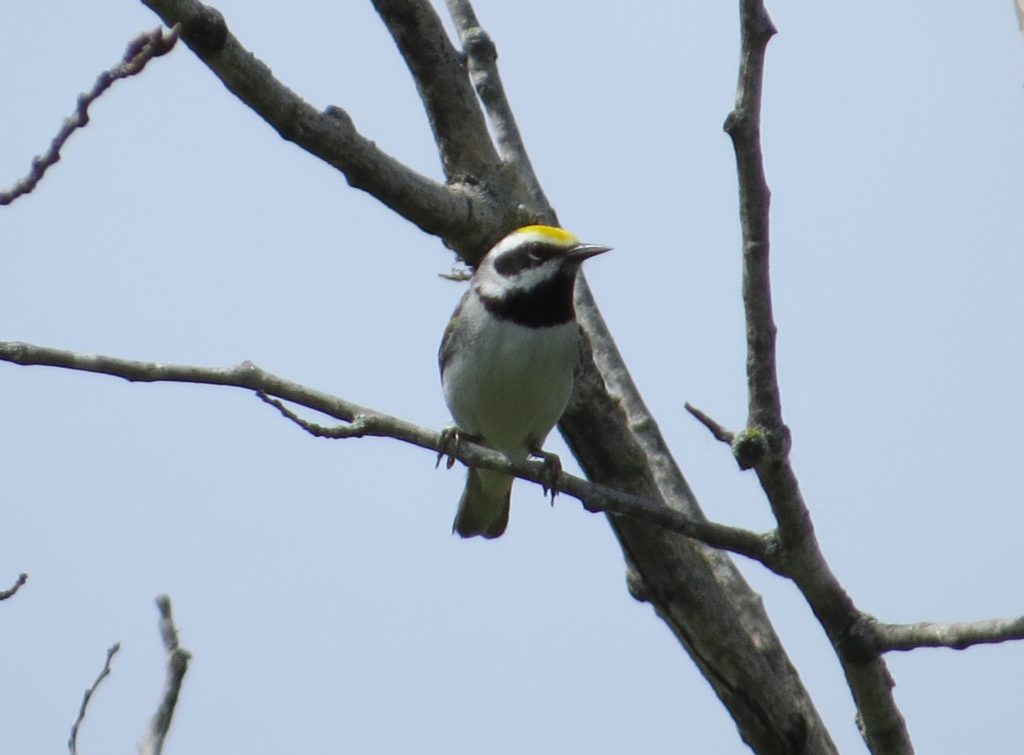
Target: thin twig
(957, 636)
(717, 431)
(359, 427)
(13, 589)
(73, 739)
(177, 665)
(370, 422)
(141, 50)
(456, 276)
(482, 57)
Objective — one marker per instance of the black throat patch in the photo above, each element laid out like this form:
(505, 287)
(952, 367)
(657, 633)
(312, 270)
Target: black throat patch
(545, 306)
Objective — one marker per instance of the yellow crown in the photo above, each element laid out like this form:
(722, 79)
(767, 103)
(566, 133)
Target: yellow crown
(549, 233)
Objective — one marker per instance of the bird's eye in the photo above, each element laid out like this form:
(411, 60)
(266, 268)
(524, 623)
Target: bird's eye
(537, 254)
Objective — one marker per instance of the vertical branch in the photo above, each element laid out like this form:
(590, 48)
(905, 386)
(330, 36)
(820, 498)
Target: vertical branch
(482, 58)
(744, 127)
(177, 665)
(460, 130)
(870, 683)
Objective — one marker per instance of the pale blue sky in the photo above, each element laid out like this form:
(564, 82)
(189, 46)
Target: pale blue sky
(327, 606)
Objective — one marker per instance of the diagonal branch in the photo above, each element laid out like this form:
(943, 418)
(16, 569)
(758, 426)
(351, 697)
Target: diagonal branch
(594, 497)
(460, 131)
(104, 673)
(718, 432)
(362, 422)
(882, 723)
(482, 58)
(454, 213)
(140, 51)
(957, 636)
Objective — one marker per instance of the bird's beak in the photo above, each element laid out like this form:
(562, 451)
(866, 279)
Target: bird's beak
(586, 251)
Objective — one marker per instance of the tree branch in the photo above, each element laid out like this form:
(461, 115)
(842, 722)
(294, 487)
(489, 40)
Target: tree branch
(956, 636)
(717, 431)
(362, 422)
(460, 131)
(140, 51)
(882, 723)
(177, 665)
(104, 673)
(482, 57)
(454, 213)
(743, 124)
(595, 498)
(11, 591)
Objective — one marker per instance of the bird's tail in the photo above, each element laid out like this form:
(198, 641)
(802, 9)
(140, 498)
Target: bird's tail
(483, 508)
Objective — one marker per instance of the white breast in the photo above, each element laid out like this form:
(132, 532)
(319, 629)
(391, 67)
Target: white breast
(509, 383)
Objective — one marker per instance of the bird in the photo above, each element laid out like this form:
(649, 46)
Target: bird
(508, 358)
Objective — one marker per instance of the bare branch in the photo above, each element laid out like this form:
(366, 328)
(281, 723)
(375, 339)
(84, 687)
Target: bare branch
(957, 636)
(360, 426)
(361, 421)
(482, 57)
(177, 666)
(768, 437)
(717, 431)
(599, 498)
(457, 214)
(73, 739)
(697, 591)
(13, 589)
(595, 498)
(141, 50)
(744, 126)
(460, 131)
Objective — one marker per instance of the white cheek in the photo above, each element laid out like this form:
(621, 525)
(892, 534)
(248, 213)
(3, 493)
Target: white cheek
(534, 276)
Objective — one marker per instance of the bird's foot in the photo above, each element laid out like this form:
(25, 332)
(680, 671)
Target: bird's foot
(552, 468)
(450, 442)
(448, 445)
